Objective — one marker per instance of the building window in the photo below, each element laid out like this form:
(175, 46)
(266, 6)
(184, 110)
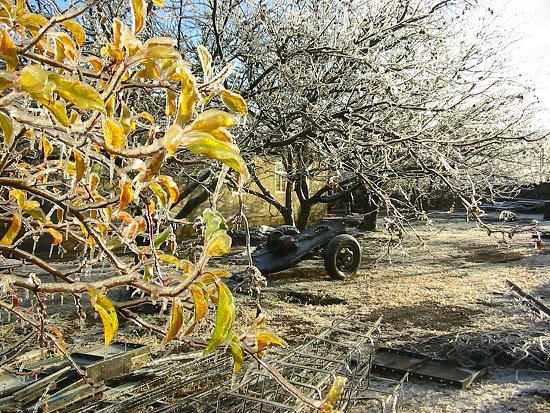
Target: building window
(280, 175)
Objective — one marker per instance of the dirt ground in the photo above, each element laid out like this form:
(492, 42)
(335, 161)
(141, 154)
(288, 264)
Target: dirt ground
(442, 294)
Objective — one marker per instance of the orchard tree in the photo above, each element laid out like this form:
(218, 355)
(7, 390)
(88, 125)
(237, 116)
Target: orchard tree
(80, 167)
(402, 97)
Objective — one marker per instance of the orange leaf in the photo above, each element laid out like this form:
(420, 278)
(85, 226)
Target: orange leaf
(125, 217)
(171, 186)
(127, 193)
(201, 302)
(151, 166)
(8, 51)
(12, 231)
(56, 235)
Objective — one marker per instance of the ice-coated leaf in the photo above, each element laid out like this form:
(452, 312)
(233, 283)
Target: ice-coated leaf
(151, 166)
(206, 61)
(159, 3)
(8, 51)
(171, 99)
(81, 94)
(6, 79)
(32, 22)
(12, 231)
(213, 119)
(269, 337)
(176, 321)
(47, 147)
(225, 315)
(107, 312)
(65, 47)
(126, 193)
(215, 222)
(203, 143)
(159, 193)
(139, 13)
(79, 164)
(160, 52)
(236, 353)
(76, 30)
(234, 101)
(172, 139)
(6, 123)
(222, 134)
(57, 108)
(171, 186)
(201, 302)
(56, 235)
(113, 134)
(336, 390)
(147, 116)
(19, 196)
(185, 265)
(188, 98)
(33, 80)
(218, 245)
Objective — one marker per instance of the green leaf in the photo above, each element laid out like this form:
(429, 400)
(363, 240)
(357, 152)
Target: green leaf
(236, 353)
(225, 315)
(163, 236)
(214, 221)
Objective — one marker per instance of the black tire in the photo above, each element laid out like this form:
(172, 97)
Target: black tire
(287, 229)
(277, 233)
(342, 257)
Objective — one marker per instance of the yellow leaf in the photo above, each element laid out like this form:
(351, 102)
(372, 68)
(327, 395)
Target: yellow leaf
(205, 144)
(147, 116)
(170, 259)
(150, 70)
(206, 61)
(212, 119)
(107, 312)
(126, 194)
(110, 106)
(223, 135)
(172, 139)
(159, 3)
(171, 99)
(79, 165)
(94, 181)
(81, 94)
(8, 51)
(32, 22)
(12, 231)
(19, 196)
(171, 186)
(76, 30)
(56, 235)
(225, 315)
(159, 192)
(33, 79)
(219, 244)
(139, 13)
(188, 98)
(269, 337)
(336, 390)
(46, 147)
(201, 302)
(236, 353)
(58, 108)
(176, 321)
(113, 134)
(6, 123)
(30, 205)
(234, 101)
(160, 52)
(6, 79)
(65, 46)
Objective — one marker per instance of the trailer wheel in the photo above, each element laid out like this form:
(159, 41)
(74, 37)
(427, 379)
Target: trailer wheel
(342, 257)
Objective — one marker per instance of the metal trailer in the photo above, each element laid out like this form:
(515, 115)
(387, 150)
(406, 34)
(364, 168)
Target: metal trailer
(332, 239)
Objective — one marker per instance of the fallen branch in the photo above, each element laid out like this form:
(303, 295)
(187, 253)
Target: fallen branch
(531, 301)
